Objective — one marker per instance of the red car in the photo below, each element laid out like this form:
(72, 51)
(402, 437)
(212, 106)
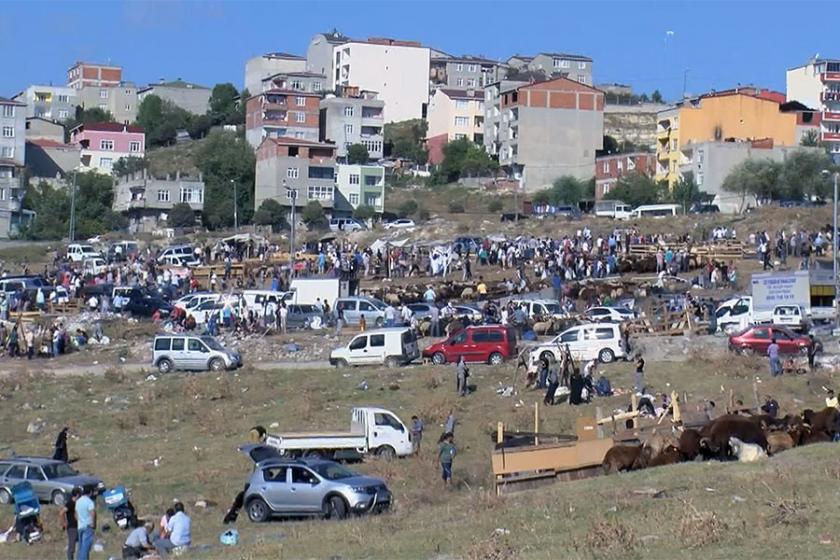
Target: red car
(757, 338)
(490, 344)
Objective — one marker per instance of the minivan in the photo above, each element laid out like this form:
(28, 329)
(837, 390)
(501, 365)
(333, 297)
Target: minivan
(78, 253)
(391, 347)
(345, 224)
(592, 341)
(184, 251)
(192, 352)
(354, 308)
(541, 308)
(491, 344)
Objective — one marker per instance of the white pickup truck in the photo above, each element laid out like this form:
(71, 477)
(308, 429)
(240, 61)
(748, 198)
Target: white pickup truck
(373, 431)
(737, 314)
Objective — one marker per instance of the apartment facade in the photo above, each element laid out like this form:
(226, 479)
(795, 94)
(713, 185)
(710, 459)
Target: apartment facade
(545, 130)
(357, 117)
(282, 113)
(464, 72)
(146, 200)
(739, 114)
(320, 56)
(454, 114)
(298, 81)
(38, 128)
(359, 185)
(609, 169)
(120, 100)
(193, 98)
(49, 102)
(51, 160)
(397, 70)
(816, 84)
(576, 67)
(307, 168)
(102, 144)
(91, 74)
(268, 64)
(12, 161)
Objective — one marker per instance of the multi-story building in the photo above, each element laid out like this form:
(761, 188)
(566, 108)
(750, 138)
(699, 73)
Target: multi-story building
(190, 97)
(291, 164)
(741, 114)
(359, 185)
(146, 201)
(297, 81)
(268, 64)
(281, 112)
(120, 100)
(397, 70)
(544, 130)
(51, 160)
(49, 102)
(454, 114)
(576, 67)
(816, 84)
(320, 57)
(354, 118)
(609, 169)
(12, 160)
(38, 128)
(464, 72)
(91, 74)
(102, 144)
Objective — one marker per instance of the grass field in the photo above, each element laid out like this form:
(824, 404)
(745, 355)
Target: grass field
(192, 424)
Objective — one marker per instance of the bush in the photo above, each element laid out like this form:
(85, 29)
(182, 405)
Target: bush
(456, 207)
(364, 213)
(270, 213)
(407, 208)
(495, 205)
(357, 153)
(181, 215)
(313, 214)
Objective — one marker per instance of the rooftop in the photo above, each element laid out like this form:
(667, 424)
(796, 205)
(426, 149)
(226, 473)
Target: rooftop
(4, 101)
(335, 36)
(468, 58)
(109, 127)
(179, 83)
(570, 56)
(46, 143)
(288, 92)
(462, 94)
(387, 41)
(294, 75)
(287, 141)
(82, 63)
(288, 56)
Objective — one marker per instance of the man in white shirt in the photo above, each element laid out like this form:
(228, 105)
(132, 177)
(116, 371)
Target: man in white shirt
(178, 528)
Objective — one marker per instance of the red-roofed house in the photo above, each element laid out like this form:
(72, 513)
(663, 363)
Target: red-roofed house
(102, 144)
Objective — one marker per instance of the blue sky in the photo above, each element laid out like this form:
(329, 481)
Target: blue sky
(720, 43)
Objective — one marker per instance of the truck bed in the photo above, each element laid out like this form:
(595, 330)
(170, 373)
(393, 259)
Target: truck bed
(317, 440)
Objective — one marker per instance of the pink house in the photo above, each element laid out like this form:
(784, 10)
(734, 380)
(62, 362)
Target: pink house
(102, 144)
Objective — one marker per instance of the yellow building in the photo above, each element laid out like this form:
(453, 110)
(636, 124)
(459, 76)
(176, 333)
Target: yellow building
(740, 114)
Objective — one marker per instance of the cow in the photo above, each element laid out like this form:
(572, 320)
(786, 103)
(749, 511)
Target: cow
(689, 444)
(714, 436)
(826, 420)
(670, 455)
(746, 452)
(778, 441)
(621, 458)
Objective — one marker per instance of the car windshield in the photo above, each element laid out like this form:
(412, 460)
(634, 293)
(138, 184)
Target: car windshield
(553, 307)
(332, 471)
(212, 343)
(58, 470)
(378, 304)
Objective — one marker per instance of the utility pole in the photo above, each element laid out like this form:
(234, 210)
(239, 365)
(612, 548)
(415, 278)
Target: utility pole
(685, 81)
(72, 233)
(291, 194)
(235, 207)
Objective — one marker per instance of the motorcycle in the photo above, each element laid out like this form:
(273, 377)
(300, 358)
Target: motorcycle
(27, 513)
(121, 508)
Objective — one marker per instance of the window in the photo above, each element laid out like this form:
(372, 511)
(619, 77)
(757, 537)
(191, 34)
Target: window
(8, 111)
(761, 333)
(472, 68)
(372, 199)
(297, 85)
(8, 132)
(190, 194)
(604, 334)
(301, 475)
(382, 419)
(354, 199)
(300, 117)
(300, 101)
(63, 114)
(292, 173)
(64, 99)
(699, 179)
(162, 344)
(348, 111)
(377, 340)
(321, 173)
(570, 336)
(373, 146)
(107, 145)
(462, 121)
(354, 179)
(2, 194)
(358, 343)
(462, 104)
(673, 144)
(561, 63)
(471, 82)
(460, 136)
(320, 193)
(606, 167)
(195, 345)
(348, 129)
(581, 78)
(365, 306)
(620, 165)
(106, 162)
(581, 65)
(16, 472)
(7, 152)
(371, 180)
(103, 106)
(300, 134)
(275, 474)
(163, 195)
(177, 343)
(699, 156)
(103, 94)
(459, 67)
(459, 82)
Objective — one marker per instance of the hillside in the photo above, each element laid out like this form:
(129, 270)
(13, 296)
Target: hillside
(169, 160)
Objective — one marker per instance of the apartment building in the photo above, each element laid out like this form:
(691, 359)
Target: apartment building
(397, 70)
(738, 114)
(193, 98)
(609, 169)
(279, 113)
(119, 100)
(260, 67)
(464, 72)
(38, 128)
(544, 130)
(359, 185)
(12, 161)
(91, 74)
(576, 67)
(454, 114)
(356, 117)
(320, 55)
(816, 85)
(147, 200)
(49, 102)
(51, 160)
(102, 144)
(292, 164)
(297, 81)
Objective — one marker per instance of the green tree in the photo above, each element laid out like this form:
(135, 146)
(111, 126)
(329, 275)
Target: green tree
(456, 207)
(566, 190)
(161, 120)
(357, 153)
(199, 126)
(222, 158)
(802, 176)
(686, 192)
(129, 165)
(407, 208)
(811, 139)
(756, 178)
(224, 102)
(313, 215)
(405, 139)
(181, 216)
(656, 97)
(271, 213)
(364, 212)
(463, 158)
(635, 189)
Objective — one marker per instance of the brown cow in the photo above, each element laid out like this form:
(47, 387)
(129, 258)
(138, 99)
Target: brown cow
(668, 456)
(715, 435)
(689, 444)
(826, 420)
(778, 441)
(621, 458)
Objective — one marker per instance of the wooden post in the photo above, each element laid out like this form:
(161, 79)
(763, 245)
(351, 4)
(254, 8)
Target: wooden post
(598, 417)
(755, 397)
(634, 406)
(500, 432)
(675, 406)
(536, 423)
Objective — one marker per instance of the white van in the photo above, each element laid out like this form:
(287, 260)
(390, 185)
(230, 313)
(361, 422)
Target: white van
(186, 252)
(541, 308)
(345, 224)
(656, 211)
(391, 347)
(255, 300)
(77, 252)
(94, 266)
(613, 209)
(601, 341)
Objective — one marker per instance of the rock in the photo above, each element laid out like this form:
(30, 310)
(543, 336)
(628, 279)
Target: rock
(394, 387)
(204, 504)
(274, 425)
(36, 427)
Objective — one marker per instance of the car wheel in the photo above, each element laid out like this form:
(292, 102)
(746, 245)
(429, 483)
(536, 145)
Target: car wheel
(438, 358)
(379, 322)
(59, 498)
(547, 357)
(257, 510)
(606, 356)
(165, 366)
(341, 363)
(496, 359)
(747, 351)
(5, 497)
(335, 508)
(216, 364)
(803, 350)
(392, 362)
(386, 452)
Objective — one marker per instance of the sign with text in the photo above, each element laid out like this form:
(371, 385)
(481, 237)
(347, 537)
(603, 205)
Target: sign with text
(780, 288)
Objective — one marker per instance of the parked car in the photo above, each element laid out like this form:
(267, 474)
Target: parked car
(422, 310)
(194, 299)
(51, 480)
(400, 223)
(491, 344)
(192, 352)
(178, 261)
(463, 245)
(354, 308)
(94, 266)
(202, 312)
(756, 339)
(572, 212)
(345, 224)
(256, 300)
(469, 312)
(544, 308)
(601, 341)
(609, 314)
(390, 347)
(305, 316)
(146, 305)
(29, 284)
(705, 209)
(283, 487)
(185, 251)
(77, 252)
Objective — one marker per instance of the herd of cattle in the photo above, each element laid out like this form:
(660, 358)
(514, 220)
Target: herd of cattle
(742, 437)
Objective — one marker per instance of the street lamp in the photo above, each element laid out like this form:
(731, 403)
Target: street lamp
(291, 194)
(235, 207)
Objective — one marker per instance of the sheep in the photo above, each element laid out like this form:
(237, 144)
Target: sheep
(746, 452)
(621, 458)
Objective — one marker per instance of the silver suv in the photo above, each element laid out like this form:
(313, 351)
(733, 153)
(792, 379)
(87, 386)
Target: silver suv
(309, 487)
(51, 480)
(354, 308)
(192, 352)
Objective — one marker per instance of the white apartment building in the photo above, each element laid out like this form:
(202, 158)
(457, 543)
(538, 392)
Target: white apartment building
(56, 103)
(817, 85)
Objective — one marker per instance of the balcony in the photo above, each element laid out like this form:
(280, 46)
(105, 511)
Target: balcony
(830, 96)
(831, 117)
(830, 77)
(831, 136)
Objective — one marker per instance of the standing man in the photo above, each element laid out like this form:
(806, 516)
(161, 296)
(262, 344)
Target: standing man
(639, 378)
(449, 425)
(446, 454)
(416, 434)
(284, 313)
(773, 356)
(68, 522)
(462, 373)
(434, 316)
(812, 352)
(553, 383)
(86, 522)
